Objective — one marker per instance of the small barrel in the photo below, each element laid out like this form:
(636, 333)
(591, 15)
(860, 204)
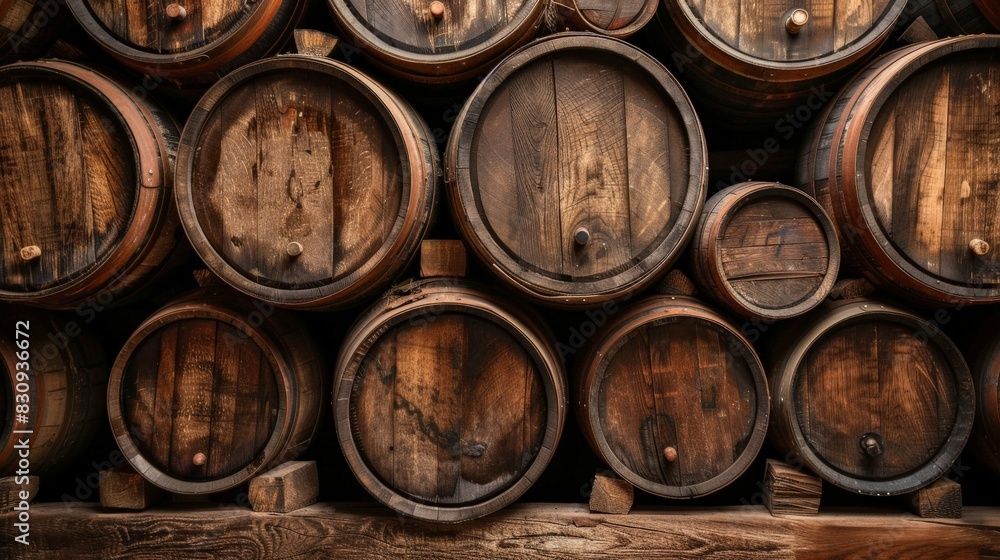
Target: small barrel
(615, 18)
(29, 27)
(437, 41)
(85, 186)
(53, 380)
(577, 170)
(214, 389)
(448, 400)
(672, 397)
(950, 18)
(757, 62)
(302, 182)
(765, 250)
(902, 163)
(188, 43)
(985, 362)
(869, 396)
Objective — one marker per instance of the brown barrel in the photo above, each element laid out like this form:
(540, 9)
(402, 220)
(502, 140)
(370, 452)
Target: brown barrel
(752, 62)
(906, 165)
(870, 397)
(614, 18)
(85, 187)
(28, 27)
(765, 250)
(303, 182)
(437, 41)
(188, 42)
(214, 389)
(949, 18)
(62, 372)
(577, 170)
(991, 11)
(985, 362)
(448, 400)
(672, 397)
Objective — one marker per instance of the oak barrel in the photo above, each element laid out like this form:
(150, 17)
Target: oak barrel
(85, 187)
(765, 250)
(869, 396)
(949, 18)
(906, 163)
(437, 41)
(28, 27)
(985, 362)
(213, 389)
(53, 386)
(614, 18)
(448, 400)
(672, 397)
(577, 170)
(771, 62)
(188, 43)
(303, 182)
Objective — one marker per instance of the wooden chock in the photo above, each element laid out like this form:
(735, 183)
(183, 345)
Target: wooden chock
(789, 491)
(288, 487)
(123, 488)
(942, 499)
(611, 495)
(14, 495)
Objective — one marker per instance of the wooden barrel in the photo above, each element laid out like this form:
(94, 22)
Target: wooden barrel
(577, 170)
(28, 27)
(870, 397)
(302, 182)
(85, 187)
(52, 389)
(614, 18)
(985, 362)
(188, 42)
(672, 397)
(765, 250)
(754, 62)
(906, 164)
(949, 18)
(437, 41)
(214, 389)
(448, 400)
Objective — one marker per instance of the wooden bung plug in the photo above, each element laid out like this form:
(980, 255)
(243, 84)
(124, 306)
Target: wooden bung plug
(176, 12)
(294, 249)
(979, 247)
(199, 459)
(437, 9)
(670, 454)
(795, 20)
(30, 253)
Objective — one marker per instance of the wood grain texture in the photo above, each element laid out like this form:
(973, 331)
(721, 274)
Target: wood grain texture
(442, 257)
(615, 18)
(950, 18)
(789, 491)
(124, 489)
(940, 500)
(523, 531)
(291, 486)
(11, 493)
(611, 494)
(147, 26)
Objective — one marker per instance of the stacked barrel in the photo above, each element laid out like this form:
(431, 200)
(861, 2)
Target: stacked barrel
(577, 172)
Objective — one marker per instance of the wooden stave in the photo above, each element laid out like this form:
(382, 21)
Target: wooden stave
(39, 26)
(417, 296)
(705, 258)
(585, 404)
(262, 35)
(985, 362)
(572, 17)
(153, 245)
(789, 344)
(461, 203)
(301, 384)
(67, 405)
(425, 174)
(829, 156)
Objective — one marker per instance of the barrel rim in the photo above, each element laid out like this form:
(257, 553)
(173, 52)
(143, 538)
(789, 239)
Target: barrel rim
(641, 19)
(541, 288)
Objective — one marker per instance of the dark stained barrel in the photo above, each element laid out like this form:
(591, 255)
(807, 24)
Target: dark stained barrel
(85, 187)
(870, 397)
(985, 362)
(577, 170)
(906, 164)
(765, 250)
(188, 42)
(437, 41)
(213, 389)
(28, 27)
(672, 397)
(64, 381)
(614, 18)
(448, 400)
(949, 18)
(754, 62)
(303, 182)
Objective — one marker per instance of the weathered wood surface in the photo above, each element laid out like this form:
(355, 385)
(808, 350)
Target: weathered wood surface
(940, 500)
(611, 494)
(124, 489)
(11, 492)
(614, 18)
(304, 183)
(442, 257)
(291, 486)
(950, 18)
(790, 491)
(672, 397)
(524, 531)
(448, 401)
(569, 185)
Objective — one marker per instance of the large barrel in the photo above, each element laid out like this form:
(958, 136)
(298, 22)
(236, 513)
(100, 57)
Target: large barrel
(448, 400)
(614, 18)
(303, 182)
(188, 42)
(949, 18)
(985, 362)
(28, 27)
(53, 379)
(435, 41)
(213, 389)
(85, 186)
(765, 250)
(672, 397)
(577, 170)
(870, 397)
(754, 62)
(906, 164)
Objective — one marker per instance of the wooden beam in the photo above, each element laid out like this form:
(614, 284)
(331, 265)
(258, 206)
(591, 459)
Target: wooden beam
(291, 486)
(520, 531)
(611, 495)
(788, 491)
